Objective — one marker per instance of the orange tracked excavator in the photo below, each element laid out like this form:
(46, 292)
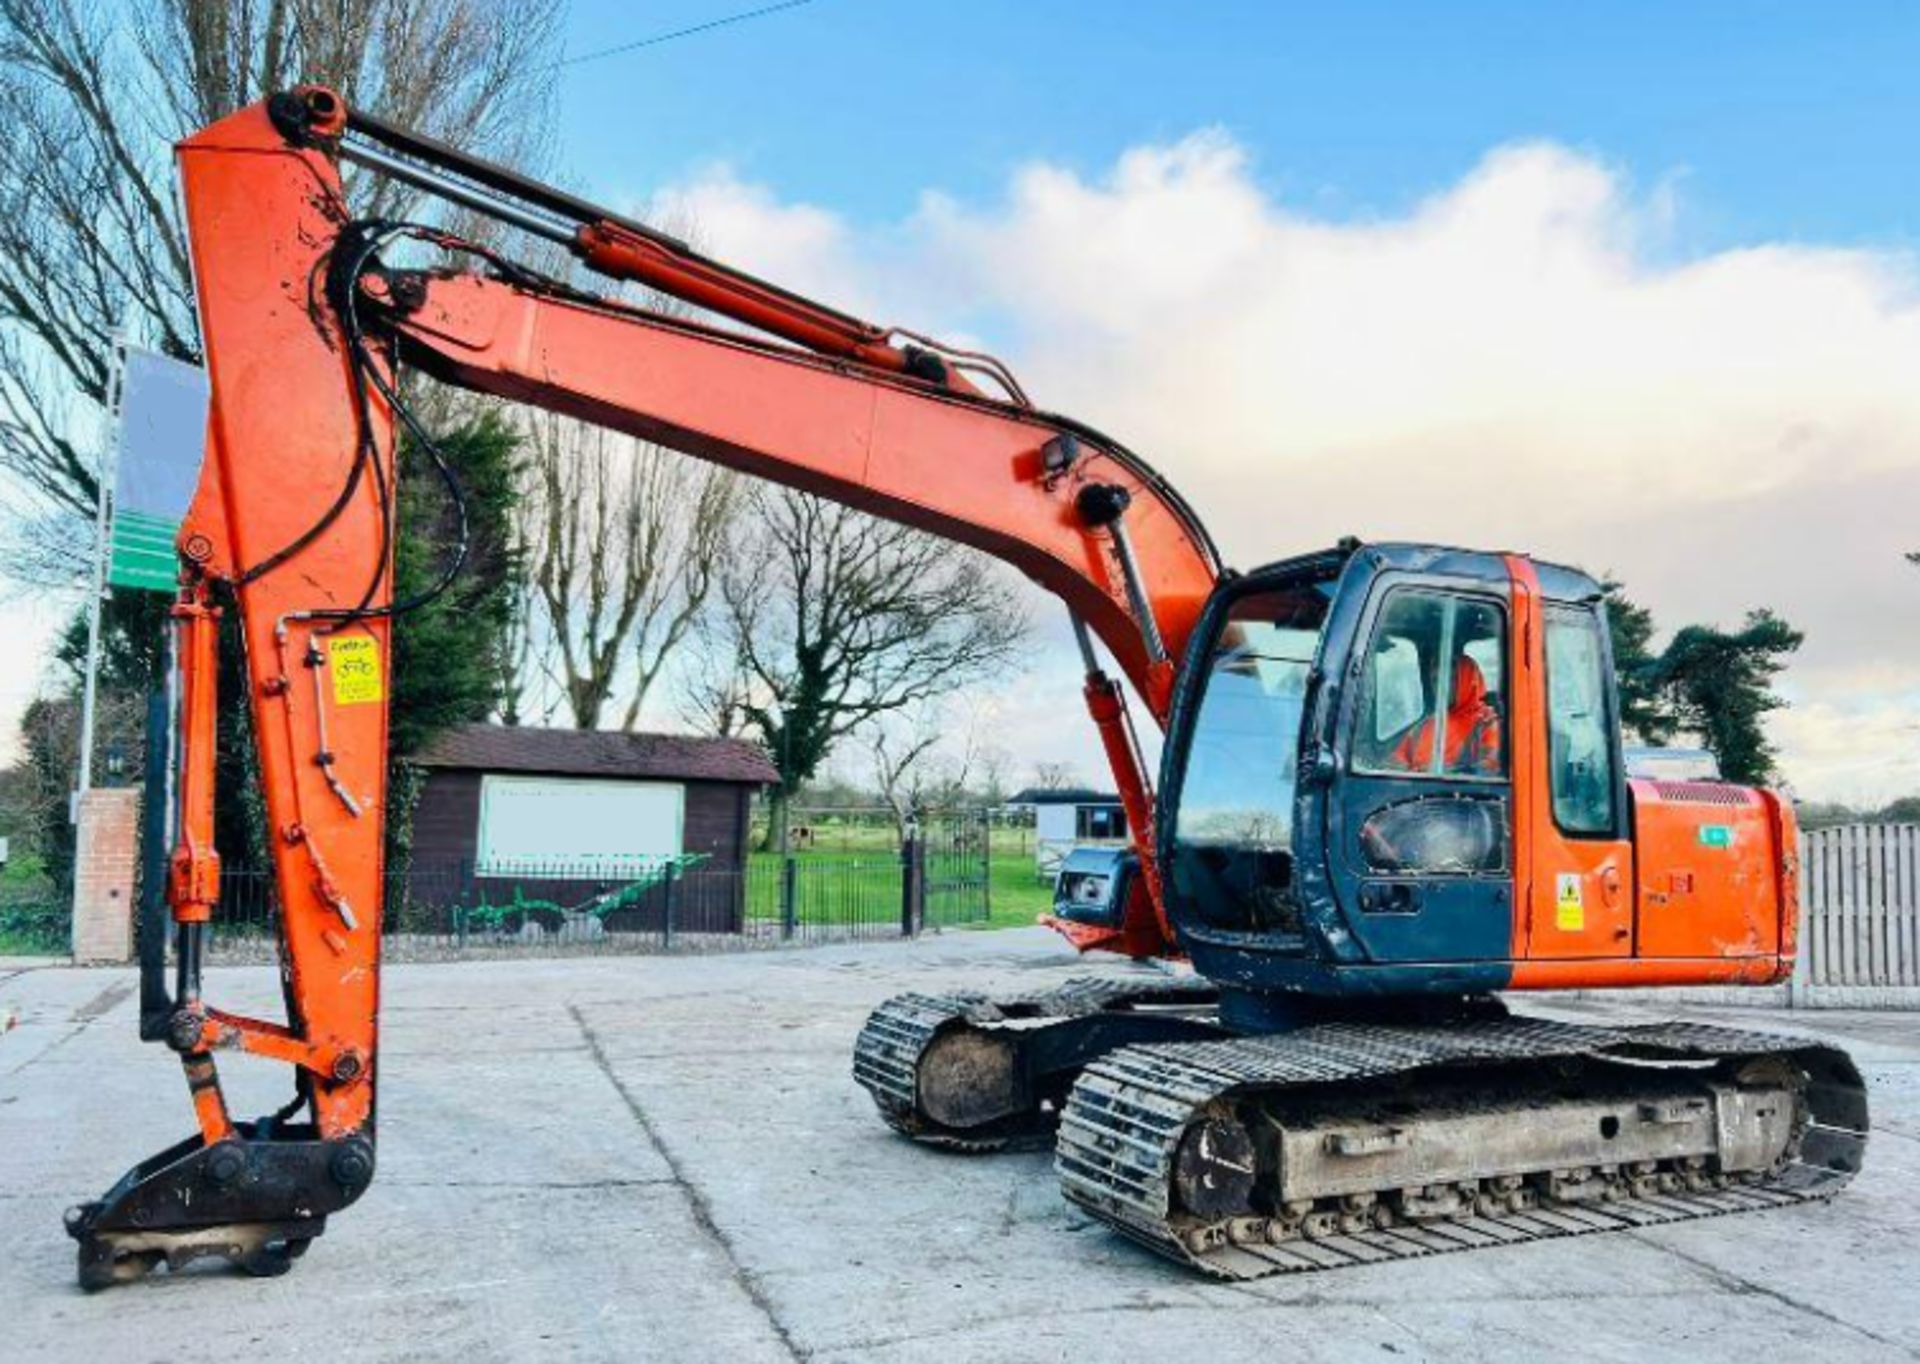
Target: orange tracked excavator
(1391, 786)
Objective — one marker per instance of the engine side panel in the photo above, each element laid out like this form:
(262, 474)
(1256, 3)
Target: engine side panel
(1709, 882)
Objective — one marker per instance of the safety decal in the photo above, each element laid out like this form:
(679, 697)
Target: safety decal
(354, 661)
(1716, 835)
(1569, 911)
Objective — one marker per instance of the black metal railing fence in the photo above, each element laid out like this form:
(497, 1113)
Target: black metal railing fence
(937, 878)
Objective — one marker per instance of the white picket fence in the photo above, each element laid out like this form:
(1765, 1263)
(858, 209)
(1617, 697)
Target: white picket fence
(1859, 909)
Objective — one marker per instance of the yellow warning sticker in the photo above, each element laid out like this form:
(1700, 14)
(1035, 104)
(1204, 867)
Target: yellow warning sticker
(1569, 912)
(355, 663)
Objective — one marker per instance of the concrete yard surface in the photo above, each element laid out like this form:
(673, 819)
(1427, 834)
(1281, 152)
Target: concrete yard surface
(666, 1158)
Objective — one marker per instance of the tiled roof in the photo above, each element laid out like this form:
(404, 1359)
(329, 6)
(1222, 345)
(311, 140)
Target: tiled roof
(1065, 795)
(598, 753)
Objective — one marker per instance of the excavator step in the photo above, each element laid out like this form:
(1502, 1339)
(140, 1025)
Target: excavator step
(978, 1073)
(1348, 1144)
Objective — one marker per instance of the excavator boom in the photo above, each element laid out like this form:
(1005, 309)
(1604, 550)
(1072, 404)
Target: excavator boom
(305, 324)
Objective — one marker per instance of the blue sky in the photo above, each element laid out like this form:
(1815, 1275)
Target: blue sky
(1645, 277)
(1792, 122)
(1642, 275)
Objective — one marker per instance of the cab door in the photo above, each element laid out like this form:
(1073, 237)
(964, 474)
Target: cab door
(1573, 852)
(1421, 811)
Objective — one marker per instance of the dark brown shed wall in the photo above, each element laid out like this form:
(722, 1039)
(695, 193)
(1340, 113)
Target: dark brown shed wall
(709, 897)
(446, 822)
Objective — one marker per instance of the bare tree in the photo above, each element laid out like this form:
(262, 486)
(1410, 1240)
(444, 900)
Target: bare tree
(91, 98)
(622, 543)
(904, 764)
(1052, 776)
(832, 619)
(927, 760)
(516, 642)
(993, 762)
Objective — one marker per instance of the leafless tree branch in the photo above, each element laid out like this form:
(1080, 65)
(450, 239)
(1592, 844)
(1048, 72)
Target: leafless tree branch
(623, 543)
(833, 620)
(92, 97)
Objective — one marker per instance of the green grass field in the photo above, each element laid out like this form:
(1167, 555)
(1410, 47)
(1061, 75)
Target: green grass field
(1017, 894)
(32, 922)
(843, 887)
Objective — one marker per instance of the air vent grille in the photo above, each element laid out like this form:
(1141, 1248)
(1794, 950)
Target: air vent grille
(1702, 793)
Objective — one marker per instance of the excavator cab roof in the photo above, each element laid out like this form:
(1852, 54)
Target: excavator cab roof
(1558, 582)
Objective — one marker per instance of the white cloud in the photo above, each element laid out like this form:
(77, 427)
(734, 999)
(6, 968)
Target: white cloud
(1859, 744)
(30, 623)
(1512, 364)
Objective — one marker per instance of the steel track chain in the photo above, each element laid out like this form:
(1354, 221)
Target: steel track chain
(1129, 1110)
(889, 1049)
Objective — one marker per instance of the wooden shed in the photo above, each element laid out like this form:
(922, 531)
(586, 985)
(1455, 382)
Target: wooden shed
(565, 818)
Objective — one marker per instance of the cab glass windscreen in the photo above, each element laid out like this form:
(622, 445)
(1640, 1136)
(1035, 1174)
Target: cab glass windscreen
(1243, 748)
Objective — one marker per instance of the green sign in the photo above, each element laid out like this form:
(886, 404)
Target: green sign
(142, 552)
(1716, 835)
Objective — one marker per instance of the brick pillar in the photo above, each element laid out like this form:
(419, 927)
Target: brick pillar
(106, 858)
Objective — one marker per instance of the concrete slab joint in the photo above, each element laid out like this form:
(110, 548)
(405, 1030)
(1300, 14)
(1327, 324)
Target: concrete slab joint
(106, 865)
(665, 1160)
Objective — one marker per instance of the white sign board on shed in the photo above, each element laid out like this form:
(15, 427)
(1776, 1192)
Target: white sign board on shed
(536, 824)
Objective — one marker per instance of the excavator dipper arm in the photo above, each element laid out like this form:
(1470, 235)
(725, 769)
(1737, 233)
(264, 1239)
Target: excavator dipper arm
(305, 322)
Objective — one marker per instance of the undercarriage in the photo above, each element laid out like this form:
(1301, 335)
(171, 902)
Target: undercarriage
(973, 1072)
(1351, 1143)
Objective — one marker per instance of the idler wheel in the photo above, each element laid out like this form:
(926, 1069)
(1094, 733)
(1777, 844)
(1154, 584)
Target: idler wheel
(1213, 1170)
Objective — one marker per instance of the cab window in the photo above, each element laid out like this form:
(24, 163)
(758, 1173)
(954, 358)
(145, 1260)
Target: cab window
(1239, 782)
(1579, 751)
(1431, 701)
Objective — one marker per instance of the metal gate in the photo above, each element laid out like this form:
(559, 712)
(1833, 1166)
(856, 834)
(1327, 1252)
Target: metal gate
(955, 856)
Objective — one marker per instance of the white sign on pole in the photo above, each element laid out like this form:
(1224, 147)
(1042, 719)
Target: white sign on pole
(163, 425)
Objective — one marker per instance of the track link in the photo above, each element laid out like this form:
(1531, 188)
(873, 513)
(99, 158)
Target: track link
(894, 1046)
(1127, 1117)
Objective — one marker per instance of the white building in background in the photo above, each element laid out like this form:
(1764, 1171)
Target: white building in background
(1072, 817)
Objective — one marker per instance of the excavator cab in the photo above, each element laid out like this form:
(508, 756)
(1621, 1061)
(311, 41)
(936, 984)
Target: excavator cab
(1394, 771)
(1337, 792)
(1392, 791)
